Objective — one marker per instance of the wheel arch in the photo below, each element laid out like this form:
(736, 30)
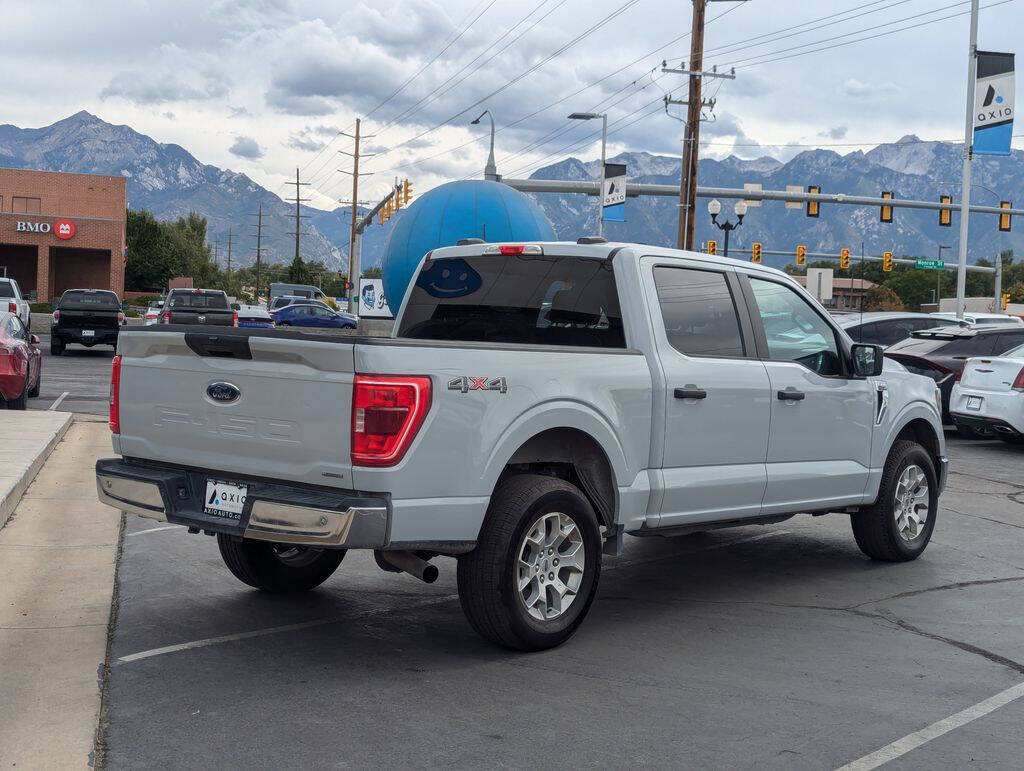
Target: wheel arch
(921, 431)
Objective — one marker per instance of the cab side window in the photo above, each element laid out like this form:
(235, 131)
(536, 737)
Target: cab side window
(794, 330)
(699, 313)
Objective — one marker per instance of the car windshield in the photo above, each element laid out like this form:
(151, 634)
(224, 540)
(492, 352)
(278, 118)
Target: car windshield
(89, 301)
(216, 300)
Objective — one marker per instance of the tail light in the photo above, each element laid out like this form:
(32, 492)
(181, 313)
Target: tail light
(115, 395)
(5, 351)
(120, 317)
(387, 412)
(166, 318)
(959, 376)
(1018, 382)
(12, 307)
(234, 319)
(56, 316)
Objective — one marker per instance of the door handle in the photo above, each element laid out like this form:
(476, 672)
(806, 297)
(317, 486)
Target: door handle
(790, 395)
(691, 393)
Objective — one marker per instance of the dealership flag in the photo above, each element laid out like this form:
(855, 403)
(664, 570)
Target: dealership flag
(993, 104)
(614, 194)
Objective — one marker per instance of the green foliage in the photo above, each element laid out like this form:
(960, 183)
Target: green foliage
(41, 307)
(881, 298)
(158, 251)
(1016, 292)
(373, 272)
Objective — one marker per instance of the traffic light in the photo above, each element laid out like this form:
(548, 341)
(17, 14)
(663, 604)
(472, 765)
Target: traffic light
(755, 252)
(886, 213)
(945, 215)
(844, 259)
(406, 191)
(887, 262)
(397, 197)
(801, 255)
(812, 206)
(387, 211)
(1004, 219)
(712, 247)
(1005, 301)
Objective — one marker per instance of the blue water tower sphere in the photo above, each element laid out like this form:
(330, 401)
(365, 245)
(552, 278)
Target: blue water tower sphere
(469, 209)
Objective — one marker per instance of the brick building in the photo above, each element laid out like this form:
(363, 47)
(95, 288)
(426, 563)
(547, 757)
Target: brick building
(61, 231)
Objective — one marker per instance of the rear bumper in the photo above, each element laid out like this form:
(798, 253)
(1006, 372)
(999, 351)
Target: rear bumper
(985, 423)
(273, 511)
(100, 336)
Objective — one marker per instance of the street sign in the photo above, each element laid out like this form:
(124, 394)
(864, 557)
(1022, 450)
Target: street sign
(930, 265)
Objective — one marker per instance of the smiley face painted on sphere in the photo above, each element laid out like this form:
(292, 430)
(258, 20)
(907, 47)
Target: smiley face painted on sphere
(449, 278)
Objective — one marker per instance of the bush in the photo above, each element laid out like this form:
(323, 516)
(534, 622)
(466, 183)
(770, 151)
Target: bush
(41, 307)
(882, 298)
(144, 301)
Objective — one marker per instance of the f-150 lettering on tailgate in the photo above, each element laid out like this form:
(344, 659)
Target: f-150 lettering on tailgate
(235, 426)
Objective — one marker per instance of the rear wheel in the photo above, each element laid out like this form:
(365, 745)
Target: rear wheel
(530, 580)
(899, 525)
(34, 390)
(1011, 438)
(278, 567)
(56, 347)
(21, 402)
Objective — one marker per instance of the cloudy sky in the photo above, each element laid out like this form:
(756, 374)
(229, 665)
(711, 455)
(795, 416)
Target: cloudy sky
(264, 86)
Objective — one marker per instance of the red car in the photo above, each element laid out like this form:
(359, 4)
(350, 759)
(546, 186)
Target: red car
(20, 362)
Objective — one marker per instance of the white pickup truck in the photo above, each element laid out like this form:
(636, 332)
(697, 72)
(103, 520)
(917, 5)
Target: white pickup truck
(536, 402)
(11, 300)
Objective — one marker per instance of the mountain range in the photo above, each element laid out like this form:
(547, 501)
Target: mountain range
(167, 180)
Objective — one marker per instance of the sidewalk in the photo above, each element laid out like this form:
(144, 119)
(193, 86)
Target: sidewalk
(58, 555)
(28, 438)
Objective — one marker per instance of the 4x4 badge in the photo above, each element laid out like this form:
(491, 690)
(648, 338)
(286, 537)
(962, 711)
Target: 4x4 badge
(467, 384)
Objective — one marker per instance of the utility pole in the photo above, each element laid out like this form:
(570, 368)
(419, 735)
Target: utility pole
(299, 216)
(354, 155)
(259, 247)
(965, 196)
(229, 254)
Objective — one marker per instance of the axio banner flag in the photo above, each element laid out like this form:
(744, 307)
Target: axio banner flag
(372, 303)
(613, 203)
(993, 104)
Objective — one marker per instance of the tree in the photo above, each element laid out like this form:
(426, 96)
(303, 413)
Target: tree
(1016, 292)
(882, 298)
(375, 272)
(298, 272)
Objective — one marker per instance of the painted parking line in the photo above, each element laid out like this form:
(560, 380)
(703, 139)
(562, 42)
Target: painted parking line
(205, 643)
(60, 398)
(912, 741)
(154, 530)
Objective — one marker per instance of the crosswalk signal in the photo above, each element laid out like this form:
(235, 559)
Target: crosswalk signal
(406, 191)
(1004, 219)
(755, 252)
(812, 206)
(1004, 301)
(886, 213)
(844, 259)
(945, 215)
(801, 255)
(712, 247)
(887, 262)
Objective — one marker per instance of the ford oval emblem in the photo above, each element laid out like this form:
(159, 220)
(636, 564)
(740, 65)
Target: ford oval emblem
(222, 392)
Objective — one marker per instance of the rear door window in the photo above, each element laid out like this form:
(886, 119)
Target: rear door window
(699, 312)
(1007, 340)
(976, 345)
(526, 299)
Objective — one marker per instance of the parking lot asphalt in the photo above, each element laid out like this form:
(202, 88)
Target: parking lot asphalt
(780, 647)
(77, 381)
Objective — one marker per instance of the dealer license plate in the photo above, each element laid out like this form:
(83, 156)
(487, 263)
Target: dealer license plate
(224, 499)
(974, 402)
(88, 333)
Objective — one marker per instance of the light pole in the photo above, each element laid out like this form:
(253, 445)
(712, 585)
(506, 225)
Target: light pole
(604, 144)
(490, 170)
(715, 208)
(938, 279)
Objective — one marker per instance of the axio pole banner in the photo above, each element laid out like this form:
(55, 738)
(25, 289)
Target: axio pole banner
(614, 194)
(993, 104)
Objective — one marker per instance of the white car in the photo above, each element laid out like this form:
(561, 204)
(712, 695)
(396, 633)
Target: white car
(990, 395)
(981, 319)
(152, 315)
(11, 301)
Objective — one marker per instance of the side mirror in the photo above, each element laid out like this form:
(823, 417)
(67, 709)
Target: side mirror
(34, 339)
(868, 360)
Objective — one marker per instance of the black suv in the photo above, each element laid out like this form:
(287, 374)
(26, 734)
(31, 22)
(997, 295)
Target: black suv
(87, 316)
(941, 353)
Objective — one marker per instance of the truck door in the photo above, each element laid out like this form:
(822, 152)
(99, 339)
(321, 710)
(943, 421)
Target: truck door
(819, 449)
(714, 395)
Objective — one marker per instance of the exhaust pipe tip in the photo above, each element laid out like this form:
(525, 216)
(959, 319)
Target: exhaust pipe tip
(430, 574)
(411, 563)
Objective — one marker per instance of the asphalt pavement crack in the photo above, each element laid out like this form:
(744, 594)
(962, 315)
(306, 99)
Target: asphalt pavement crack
(940, 588)
(978, 516)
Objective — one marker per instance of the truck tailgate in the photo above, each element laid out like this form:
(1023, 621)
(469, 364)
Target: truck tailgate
(291, 418)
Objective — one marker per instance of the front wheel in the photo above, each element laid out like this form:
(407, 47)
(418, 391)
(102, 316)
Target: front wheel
(530, 580)
(56, 347)
(899, 525)
(278, 567)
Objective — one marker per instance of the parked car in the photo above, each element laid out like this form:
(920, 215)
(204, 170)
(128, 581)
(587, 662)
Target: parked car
(281, 301)
(20, 362)
(89, 317)
(253, 316)
(885, 328)
(523, 426)
(941, 353)
(152, 314)
(309, 315)
(305, 291)
(980, 319)
(990, 396)
(209, 307)
(12, 301)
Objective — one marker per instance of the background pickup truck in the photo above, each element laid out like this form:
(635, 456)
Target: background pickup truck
(87, 316)
(12, 301)
(198, 306)
(536, 402)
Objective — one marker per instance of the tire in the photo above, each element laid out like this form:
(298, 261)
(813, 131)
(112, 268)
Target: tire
(875, 528)
(21, 402)
(278, 567)
(56, 347)
(34, 390)
(488, 575)
(967, 432)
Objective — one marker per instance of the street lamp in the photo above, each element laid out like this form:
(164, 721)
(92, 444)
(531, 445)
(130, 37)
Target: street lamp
(715, 208)
(604, 143)
(490, 170)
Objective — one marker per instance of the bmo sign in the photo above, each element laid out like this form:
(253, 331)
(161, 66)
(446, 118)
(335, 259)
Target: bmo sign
(63, 228)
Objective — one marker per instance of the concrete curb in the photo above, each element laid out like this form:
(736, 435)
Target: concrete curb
(54, 425)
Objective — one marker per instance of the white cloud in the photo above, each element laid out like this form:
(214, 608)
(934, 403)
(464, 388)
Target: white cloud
(246, 147)
(858, 89)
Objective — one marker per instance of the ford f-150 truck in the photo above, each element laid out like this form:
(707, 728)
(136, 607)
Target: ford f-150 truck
(535, 403)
